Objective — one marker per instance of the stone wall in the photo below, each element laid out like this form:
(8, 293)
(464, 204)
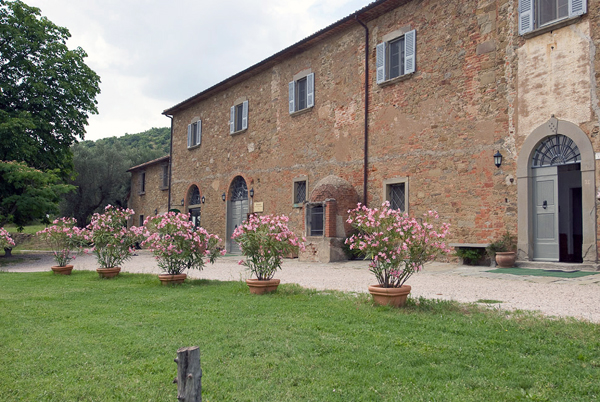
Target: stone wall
(155, 196)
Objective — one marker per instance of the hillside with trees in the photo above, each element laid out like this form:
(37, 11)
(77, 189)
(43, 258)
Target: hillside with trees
(101, 166)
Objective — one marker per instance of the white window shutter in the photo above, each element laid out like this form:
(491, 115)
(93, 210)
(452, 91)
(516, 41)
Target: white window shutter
(245, 115)
(410, 51)
(310, 90)
(526, 16)
(292, 97)
(380, 63)
(199, 132)
(189, 135)
(232, 120)
(577, 7)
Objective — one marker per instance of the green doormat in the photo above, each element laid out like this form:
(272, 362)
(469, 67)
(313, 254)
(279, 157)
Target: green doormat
(542, 272)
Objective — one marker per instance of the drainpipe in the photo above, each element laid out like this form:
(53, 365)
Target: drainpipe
(366, 135)
(170, 163)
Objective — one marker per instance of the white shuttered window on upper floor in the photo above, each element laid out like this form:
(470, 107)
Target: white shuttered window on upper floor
(396, 57)
(302, 93)
(194, 134)
(536, 14)
(238, 117)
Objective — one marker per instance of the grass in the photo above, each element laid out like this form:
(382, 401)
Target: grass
(542, 272)
(29, 229)
(79, 338)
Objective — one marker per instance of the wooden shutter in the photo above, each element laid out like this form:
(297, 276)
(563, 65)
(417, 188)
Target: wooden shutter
(232, 120)
(380, 63)
(410, 51)
(199, 132)
(577, 7)
(245, 115)
(189, 135)
(292, 97)
(310, 90)
(526, 16)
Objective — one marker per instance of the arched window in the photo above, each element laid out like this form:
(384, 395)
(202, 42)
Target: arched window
(556, 150)
(194, 195)
(239, 190)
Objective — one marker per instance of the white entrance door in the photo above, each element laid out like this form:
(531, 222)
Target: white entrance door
(545, 214)
(236, 211)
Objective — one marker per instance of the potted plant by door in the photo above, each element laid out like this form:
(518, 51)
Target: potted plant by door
(112, 242)
(397, 246)
(264, 240)
(504, 250)
(64, 239)
(6, 242)
(177, 245)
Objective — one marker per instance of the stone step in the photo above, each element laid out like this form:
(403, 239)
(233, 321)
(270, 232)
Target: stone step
(563, 266)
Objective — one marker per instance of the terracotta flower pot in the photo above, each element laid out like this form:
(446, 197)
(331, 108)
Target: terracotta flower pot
(108, 272)
(506, 259)
(168, 279)
(395, 297)
(58, 270)
(259, 287)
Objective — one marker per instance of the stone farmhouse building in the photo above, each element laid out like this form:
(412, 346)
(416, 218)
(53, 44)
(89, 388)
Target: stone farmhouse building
(408, 101)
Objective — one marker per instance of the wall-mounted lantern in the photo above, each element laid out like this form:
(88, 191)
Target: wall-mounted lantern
(155, 211)
(252, 192)
(497, 159)
(203, 199)
(182, 202)
(224, 196)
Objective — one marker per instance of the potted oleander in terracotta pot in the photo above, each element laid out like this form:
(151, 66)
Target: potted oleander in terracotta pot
(112, 243)
(64, 239)
(264, 241)
(504, 250)
(397, 246)
(179, 246)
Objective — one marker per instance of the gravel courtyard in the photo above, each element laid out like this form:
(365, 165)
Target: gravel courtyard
(577, 297)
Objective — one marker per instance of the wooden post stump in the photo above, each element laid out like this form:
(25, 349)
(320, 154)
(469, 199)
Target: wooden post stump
(189, 374)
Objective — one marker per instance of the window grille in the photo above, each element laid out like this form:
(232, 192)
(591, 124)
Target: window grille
(239, 190)
(397, 197)
(556, 150)
(299, 192)
(195, 196)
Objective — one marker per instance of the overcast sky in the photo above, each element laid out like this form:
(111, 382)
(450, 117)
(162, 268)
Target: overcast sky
(153, 54)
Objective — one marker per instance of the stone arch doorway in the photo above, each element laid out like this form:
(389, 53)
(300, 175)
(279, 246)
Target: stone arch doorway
(237, 210)
(194, 206)
(556, 195)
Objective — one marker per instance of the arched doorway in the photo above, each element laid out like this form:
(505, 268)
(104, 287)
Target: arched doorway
(556, 190)
(237, 210)
(194, 205)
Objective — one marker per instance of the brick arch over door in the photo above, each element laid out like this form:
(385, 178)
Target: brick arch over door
(588, 186)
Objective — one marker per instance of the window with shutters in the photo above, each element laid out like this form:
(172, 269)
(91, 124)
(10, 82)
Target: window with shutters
(395, 191)
(194, 134)
(164, 177)
(238, 117)
(539, 14)
(300, 190)
(396, 57)
(302, 93)
(142, 183)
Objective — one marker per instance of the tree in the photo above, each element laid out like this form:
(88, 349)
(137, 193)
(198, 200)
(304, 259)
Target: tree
(101, 170)
(47, 91)
(28, 194)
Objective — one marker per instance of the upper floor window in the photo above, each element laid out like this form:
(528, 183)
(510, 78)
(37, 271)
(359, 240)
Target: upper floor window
(535, 14)
(396, 57)
(302, 93)
(194, 134)
(396, 192)
(300, 189)
(238, 117)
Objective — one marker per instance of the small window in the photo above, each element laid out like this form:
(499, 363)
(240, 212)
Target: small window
(238, 117)
(299, 192)
(536, 14)
(194, 134)
(396, 193)
(141, 220)
(302, 93)
(315, 219)
(142, 182)
(396, 57)
(165, 177)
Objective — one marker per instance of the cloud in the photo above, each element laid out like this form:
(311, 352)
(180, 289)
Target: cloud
(153, 54)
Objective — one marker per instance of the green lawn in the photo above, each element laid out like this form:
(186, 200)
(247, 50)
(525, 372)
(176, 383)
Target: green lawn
(79, 338)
